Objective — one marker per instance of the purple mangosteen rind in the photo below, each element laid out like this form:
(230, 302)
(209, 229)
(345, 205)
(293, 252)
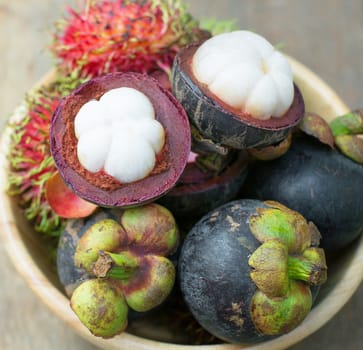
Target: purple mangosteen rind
(320, 183)
(190, 200)
(242, 279)
(100, 188)
(220, 123)
(192, 258)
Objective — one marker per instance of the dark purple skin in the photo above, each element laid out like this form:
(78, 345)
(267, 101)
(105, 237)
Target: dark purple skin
(219, 124)
(213, 271)
(190, 201)
(318, 182)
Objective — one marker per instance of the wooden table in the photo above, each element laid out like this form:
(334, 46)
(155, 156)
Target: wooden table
(325, 35)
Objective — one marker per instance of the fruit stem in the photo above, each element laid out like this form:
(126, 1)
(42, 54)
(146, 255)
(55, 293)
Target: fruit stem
(309, 267)
(120, 266)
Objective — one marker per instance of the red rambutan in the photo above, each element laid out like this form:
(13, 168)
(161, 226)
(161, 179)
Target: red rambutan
(123, 35)
(31, 163)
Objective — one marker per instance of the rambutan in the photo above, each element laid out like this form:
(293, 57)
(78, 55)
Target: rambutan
(31, 163)
(124, 35)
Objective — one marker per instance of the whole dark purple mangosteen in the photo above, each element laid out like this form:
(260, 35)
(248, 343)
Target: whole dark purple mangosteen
(120, 140)
(237, 90)
(320, 183)
(117, 260)
(246, 270)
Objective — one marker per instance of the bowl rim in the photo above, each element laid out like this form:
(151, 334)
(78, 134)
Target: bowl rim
(58, 303)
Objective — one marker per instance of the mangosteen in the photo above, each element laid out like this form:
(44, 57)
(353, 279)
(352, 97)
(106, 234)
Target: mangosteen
(317, 180)
(120, 140)
(206, 183)
(246, 270)
(237, 90)
(118, 257)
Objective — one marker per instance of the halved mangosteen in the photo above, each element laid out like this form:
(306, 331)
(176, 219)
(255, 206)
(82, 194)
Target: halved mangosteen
(120, 140)
(238, 90)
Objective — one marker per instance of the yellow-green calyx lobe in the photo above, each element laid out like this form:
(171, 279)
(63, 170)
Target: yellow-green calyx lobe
(348, 124)
(160, 280)
(151, 228)
(348, 132)
(269, 268)
(283, 267)
(101, 307)
(127, 258)
(273, 316)
(103, 235)
(351, 146)
(283, 224)
(316, 126)
(273, 151)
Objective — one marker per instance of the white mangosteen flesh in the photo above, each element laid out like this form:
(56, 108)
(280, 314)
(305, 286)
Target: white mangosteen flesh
(119, 134)
(246, 72)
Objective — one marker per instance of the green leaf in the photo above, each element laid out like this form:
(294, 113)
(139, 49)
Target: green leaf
(216, 26)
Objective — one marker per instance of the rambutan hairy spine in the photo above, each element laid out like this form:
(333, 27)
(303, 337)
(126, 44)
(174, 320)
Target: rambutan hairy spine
(124, 35)
(30, 160)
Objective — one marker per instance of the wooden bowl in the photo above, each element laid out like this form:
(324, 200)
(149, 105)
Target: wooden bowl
(26, 249)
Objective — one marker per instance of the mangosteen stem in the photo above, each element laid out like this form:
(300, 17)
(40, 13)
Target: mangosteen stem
(119, 266)
(310, 268)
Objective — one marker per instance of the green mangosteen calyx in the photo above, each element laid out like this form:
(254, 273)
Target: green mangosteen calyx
(101, 307)
(348, 132)
(283, 267)
(314, 125)
(271, 152)
(128, 259)
(348, 124)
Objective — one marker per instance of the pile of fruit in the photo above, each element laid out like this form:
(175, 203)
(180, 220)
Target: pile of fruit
(181, 178)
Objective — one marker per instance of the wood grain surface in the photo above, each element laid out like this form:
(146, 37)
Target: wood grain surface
(325, 35)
